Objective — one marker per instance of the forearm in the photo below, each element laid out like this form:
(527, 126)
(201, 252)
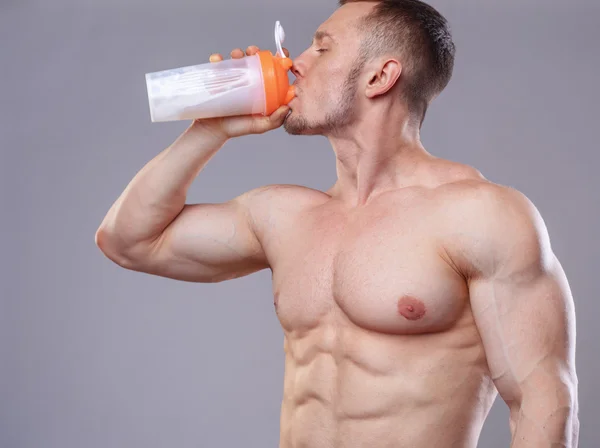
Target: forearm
(541, 425)
(157, 194)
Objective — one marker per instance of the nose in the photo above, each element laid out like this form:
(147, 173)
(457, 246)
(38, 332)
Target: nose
(298, 68)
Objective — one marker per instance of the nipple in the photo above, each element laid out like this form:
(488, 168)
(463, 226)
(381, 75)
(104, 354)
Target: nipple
(411, 308)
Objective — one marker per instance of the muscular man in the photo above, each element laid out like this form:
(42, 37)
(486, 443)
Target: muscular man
(412, 291)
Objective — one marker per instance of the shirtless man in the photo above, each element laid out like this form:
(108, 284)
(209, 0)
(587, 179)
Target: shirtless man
(412, 291)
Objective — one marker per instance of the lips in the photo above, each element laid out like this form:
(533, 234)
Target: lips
(297, 91)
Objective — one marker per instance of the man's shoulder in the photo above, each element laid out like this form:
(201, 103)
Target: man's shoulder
(482, 201)
(468, 190)
(278, 205)
(484, 221)
(285, 195)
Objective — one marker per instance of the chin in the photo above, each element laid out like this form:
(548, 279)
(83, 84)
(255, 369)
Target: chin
(296, 124)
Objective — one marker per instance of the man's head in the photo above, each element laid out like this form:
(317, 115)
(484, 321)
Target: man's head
(370, 50)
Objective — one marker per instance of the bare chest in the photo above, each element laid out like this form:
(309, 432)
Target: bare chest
(383, 272)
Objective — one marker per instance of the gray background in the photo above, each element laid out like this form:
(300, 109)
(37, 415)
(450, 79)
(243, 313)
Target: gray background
(93, 356)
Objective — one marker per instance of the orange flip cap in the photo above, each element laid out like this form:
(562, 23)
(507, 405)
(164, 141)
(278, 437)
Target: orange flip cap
(278, 90)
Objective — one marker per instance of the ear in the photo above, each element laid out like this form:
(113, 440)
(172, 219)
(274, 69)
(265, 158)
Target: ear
(384, 78)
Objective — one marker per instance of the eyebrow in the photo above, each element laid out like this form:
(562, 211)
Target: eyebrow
(320, 35)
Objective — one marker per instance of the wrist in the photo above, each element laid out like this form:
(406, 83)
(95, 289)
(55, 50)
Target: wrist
(208, 130)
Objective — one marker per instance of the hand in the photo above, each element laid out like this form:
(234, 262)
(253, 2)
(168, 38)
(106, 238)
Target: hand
(229, 127)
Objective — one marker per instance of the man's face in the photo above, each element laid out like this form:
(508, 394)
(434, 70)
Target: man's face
(327, 76)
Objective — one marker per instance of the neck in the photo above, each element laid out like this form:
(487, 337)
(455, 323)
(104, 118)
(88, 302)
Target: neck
(373, 156)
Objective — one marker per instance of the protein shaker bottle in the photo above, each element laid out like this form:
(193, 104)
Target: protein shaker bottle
(251, 85)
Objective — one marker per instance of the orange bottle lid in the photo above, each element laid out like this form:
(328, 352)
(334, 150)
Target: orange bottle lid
(278, 90)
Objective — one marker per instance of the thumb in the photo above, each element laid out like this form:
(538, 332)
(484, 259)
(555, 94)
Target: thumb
(270, 122)
(279, 115)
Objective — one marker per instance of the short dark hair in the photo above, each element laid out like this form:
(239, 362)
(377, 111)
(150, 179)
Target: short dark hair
(421, 36)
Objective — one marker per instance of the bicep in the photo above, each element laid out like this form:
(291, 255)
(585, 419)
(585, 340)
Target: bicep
(527, 325)
(208, 243)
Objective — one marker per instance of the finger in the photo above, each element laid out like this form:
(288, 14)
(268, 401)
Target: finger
(286, 52)
(237, 54)
(252, 49)
(215, 57)
(281, 110)
(268, 123)
(277, 117)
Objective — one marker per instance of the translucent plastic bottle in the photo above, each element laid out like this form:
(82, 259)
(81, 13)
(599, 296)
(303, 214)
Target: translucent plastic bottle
(255, 84)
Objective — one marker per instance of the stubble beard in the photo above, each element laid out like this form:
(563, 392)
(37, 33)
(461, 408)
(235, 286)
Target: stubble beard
(341, 116)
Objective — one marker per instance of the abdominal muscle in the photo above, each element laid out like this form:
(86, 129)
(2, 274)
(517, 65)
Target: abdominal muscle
(345, 387)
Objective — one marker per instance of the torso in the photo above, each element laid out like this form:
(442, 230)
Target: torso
(381, 349)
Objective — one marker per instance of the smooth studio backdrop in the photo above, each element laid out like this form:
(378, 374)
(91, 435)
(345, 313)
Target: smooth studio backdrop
(94, 356)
